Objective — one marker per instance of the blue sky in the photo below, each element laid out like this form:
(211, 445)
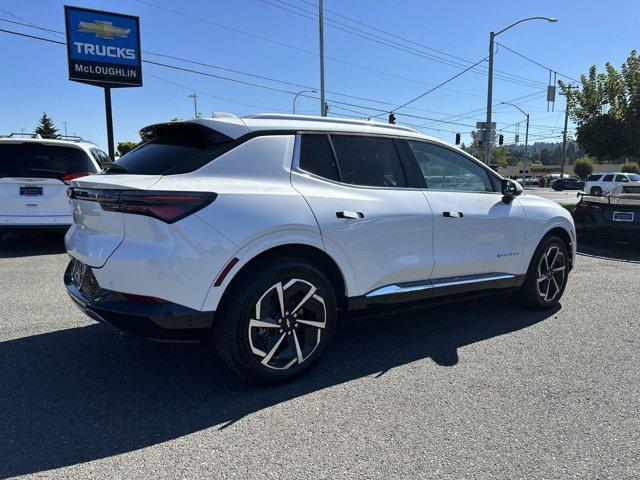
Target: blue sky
(34, 75)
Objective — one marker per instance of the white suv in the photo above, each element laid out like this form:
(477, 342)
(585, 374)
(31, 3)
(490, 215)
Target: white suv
(34, 175)
(261, 231)
(603, 183)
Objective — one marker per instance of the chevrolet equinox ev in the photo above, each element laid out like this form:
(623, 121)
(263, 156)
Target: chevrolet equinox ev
(260, 232)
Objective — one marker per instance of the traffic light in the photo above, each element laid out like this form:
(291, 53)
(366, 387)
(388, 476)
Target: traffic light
(392, 118)
(457, 139)
(500, 139)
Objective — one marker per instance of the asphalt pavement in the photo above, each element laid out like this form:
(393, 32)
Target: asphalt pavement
(565, 196)
(481, 389)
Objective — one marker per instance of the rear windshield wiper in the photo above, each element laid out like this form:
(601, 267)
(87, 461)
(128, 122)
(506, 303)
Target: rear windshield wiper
(115, 168)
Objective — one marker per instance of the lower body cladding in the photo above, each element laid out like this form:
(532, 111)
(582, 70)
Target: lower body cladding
(437, 289)
(20, 223)
(136, 315)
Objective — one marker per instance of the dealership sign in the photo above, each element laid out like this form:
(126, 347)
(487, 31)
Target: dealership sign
(103, 48)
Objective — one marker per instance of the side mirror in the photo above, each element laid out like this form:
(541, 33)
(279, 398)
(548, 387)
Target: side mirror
(510, 188)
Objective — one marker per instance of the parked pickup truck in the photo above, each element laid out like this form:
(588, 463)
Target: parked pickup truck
(616, 216)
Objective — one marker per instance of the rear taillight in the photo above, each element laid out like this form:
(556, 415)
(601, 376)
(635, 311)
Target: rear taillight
(166, 206)
(588, 207)
(67, 177)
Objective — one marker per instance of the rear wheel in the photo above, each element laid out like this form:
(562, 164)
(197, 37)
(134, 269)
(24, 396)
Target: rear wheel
(596, 191)
(547, 275)
(276, 321)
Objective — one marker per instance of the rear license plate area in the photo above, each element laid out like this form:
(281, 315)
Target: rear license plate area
(623, 216)
(31, 191)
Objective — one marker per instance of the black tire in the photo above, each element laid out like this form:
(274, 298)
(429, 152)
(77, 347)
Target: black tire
(596, 191)
(532, 293)
(237, 340)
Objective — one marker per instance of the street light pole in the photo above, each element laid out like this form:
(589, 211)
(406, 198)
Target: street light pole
(300, 93)
(323, 110)
(526, 142)
(194, 95)
(487, 129)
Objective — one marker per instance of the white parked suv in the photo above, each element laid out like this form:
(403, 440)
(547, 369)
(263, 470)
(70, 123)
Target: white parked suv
(34, 177)
(262, 231)
(603, 183)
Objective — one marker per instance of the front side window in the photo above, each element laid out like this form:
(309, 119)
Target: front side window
(101, 157)
(368, 161)
(317, 157)
(608, 178)
(444, 169)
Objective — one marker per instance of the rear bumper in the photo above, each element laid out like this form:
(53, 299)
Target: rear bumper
(35, 222)
(155, 321)
(609, 231)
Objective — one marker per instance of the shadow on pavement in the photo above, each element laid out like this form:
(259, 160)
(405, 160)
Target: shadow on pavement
(29, 244)
(81, 394)
(609, 250)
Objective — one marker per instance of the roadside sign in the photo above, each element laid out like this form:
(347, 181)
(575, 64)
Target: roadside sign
(103, 48)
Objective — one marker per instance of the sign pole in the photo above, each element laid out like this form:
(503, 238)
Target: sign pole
(107, 105)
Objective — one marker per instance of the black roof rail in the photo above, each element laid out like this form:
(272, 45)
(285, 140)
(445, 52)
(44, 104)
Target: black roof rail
(72, 138)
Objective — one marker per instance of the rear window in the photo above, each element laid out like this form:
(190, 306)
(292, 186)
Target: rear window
(175, 149)
(593, 178)
(40, 160)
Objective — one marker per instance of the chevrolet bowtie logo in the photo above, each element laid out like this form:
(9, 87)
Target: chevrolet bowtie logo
(103, 29)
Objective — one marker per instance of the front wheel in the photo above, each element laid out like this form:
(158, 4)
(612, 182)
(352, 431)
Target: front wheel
(547, 275)
(597, 191)
(276, 321)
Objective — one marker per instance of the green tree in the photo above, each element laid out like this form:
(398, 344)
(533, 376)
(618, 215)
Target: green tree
(583, 167)
(630, 167)
(606, 109)
(501, 156)
(45, 127)
(126, 147)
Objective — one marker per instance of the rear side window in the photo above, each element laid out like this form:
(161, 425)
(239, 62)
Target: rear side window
(174, 149)
(31, 159)
(368, 161)
(621, 178)
(317, 157)
(608, 178)
(100, 156)
(593, 178)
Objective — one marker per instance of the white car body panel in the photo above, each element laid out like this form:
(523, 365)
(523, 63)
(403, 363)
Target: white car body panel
(607, 186)
(263, 201)
(489, 237)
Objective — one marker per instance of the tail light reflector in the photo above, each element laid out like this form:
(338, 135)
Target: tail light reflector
(588, 207)
(166, 206)
(67, 177)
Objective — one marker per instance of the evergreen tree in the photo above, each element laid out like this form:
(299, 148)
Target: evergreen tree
(45, 127)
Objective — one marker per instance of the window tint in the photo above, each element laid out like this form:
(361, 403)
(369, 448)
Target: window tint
(621, 178)
(593, 178)
(368, 161)
(607, 178)
(175, 148)
(39, 160)
(447, 170)
(317, 157)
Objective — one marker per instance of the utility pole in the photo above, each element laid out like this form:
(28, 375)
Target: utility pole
(488, 133)
(323, 109)
(65, 128)
(564, 133)
(524, 156)
(194, 95)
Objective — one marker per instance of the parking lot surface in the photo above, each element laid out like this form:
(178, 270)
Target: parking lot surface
(481, 389)
(565, 196)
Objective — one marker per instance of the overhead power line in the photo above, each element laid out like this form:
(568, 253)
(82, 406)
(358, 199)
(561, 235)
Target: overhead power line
(267, 87)
(390, 43)
(536, 62)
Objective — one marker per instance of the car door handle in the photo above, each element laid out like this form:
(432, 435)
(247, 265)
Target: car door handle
(453, 214)
(349, 214)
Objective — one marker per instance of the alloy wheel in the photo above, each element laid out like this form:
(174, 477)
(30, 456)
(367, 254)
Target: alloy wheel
(551, 273)
(287, 324)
